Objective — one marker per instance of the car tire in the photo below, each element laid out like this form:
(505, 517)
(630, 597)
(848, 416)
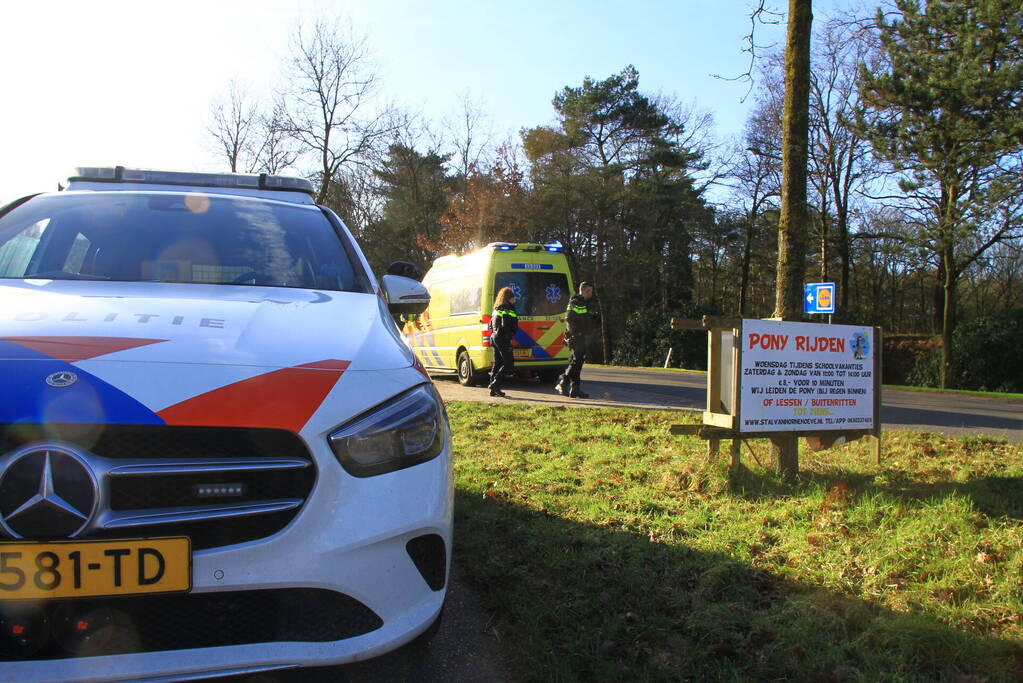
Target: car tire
(550, 376)
(467, 375)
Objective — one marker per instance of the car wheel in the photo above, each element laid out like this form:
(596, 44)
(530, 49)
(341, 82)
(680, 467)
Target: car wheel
(467, 374)
(550, 376)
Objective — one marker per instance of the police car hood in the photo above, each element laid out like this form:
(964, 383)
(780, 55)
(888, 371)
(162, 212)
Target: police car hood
(161, 343)
(268, 327)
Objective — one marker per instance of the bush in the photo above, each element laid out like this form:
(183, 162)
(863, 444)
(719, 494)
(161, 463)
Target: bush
(986, 356)
(647, 336)
(987, 352)
(901, 355)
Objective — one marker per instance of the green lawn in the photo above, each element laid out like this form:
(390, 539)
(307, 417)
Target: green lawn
(608, 549)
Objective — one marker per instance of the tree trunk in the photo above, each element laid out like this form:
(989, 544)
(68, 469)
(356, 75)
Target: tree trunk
(792, 228)
(598, 281)
(825, 255)
(747, 256)
(843, 259)
(747, 250)
(948, 319)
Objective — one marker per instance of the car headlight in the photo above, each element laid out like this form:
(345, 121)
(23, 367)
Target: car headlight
(405, 431)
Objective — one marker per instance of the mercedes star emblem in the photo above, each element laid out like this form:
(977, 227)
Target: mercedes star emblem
(47, 492)
(64, 378)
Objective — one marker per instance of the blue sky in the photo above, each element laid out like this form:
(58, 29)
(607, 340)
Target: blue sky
(131, 82)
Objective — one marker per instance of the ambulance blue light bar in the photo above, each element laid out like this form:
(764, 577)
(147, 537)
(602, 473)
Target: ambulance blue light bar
(554, 248)
(261, 181)
(506, 247)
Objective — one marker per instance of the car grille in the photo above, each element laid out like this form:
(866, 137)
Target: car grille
(85, 628)
(218, 486)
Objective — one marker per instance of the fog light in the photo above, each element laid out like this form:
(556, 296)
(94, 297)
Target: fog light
(23, 630)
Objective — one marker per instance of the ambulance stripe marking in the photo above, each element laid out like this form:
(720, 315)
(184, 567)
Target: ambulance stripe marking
(282, 399)
(426, 342)
(73, 349)
(550, 342)
(26, 397)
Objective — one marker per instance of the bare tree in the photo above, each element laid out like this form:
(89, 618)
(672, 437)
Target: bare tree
(840, 159)
(328, 108)
(233, 124)
(471, 136)
(275, 149)
(692, 128)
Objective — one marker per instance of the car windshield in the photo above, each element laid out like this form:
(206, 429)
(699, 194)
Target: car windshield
(175, 237)
(536, 294)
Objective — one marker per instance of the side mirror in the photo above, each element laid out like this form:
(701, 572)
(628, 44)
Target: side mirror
(405, 269)
(404, 295)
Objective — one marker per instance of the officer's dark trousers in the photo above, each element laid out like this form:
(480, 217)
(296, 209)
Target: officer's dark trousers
(504, 362)
(575, 366)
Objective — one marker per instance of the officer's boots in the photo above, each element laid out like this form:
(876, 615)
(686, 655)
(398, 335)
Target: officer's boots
(575, 392)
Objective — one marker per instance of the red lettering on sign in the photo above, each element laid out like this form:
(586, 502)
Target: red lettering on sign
(811, 344)
(768, 342)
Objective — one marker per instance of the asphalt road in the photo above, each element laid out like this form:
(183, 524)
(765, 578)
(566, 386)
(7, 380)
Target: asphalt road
(953, 414)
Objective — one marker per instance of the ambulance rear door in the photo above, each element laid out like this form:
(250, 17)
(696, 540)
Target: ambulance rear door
(542, 286)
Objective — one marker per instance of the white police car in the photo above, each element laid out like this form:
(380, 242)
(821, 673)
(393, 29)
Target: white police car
(217, 455)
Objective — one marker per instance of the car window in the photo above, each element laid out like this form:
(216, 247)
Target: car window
(536, 294)
(16, 252)
(169, 237)
(465, 296)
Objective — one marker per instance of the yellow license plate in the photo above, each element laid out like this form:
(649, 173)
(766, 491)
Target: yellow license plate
(74, 569)
(522, 353)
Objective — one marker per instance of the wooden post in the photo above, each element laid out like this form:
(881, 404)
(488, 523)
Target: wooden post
(785, 448)
(713, 385)
(735, 451)
(713, 445)
(878, 369)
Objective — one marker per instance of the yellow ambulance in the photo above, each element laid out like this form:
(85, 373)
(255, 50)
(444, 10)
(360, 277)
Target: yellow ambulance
(453, 335)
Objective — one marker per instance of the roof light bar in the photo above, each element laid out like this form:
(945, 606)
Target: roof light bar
(120, 174)
(506, 247)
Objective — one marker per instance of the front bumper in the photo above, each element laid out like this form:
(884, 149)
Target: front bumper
(351, 538)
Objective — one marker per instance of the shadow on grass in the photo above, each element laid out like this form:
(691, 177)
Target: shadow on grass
(581, 602)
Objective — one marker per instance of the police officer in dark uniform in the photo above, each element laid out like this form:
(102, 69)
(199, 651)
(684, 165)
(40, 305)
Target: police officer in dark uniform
(580, 325)
(504, 322)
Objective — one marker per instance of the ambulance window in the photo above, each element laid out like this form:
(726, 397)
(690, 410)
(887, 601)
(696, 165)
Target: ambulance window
(536, 294)
(465, 296)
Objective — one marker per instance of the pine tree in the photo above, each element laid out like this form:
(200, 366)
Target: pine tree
(947, 116)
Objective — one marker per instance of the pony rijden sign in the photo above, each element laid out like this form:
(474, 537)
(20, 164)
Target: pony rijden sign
(806, 377)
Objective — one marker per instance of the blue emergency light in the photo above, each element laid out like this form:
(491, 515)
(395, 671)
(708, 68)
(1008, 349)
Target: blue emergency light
(506, 247)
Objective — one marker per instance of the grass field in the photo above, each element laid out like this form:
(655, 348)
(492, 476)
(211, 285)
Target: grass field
(608, 549)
